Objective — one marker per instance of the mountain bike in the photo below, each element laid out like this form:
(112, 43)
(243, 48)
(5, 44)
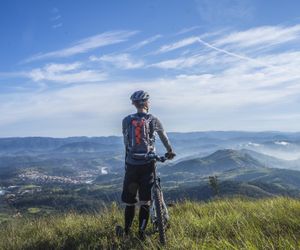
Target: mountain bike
(159, 214)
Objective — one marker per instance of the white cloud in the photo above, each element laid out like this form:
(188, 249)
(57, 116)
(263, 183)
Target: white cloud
(65, 73)
(55, 68)
(261, 36)
(145, 42)
(256, 38)
(183, 62)
(122, 61)
(211, 101)
(186, 30)
(225, 11)
(214, 86)
(255, 61)
(193, 60)
(182, 43)
(87, 44)
(55, 26)
(55, 18)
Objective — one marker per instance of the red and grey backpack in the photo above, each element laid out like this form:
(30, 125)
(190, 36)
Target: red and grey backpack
(140, 135)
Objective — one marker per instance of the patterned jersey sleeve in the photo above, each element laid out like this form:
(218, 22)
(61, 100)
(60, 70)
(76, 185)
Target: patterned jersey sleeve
(125, 132)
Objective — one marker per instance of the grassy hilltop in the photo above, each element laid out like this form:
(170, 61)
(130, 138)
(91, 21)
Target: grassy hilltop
(220, 224)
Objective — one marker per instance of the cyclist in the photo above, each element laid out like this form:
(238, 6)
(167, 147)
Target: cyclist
(139, 132)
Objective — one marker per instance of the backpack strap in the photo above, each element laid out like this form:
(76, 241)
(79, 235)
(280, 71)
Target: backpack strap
(149, 118)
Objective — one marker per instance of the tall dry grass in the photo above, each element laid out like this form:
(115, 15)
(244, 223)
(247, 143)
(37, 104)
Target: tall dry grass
(219, 224)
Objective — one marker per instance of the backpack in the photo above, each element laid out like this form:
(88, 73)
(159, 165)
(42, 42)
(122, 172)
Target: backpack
(140, 135)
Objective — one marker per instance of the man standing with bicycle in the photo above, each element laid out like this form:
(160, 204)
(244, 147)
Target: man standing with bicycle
(139, 132)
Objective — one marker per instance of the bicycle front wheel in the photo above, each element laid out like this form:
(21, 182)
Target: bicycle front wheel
(159, 215)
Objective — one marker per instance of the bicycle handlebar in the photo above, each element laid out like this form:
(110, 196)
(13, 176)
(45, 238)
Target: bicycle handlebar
(154, 156)
(151, 156)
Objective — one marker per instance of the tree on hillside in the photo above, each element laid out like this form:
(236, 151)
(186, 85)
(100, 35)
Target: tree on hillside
(214, 184)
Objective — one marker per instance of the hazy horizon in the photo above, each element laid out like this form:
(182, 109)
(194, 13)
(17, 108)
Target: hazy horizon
(168, 132)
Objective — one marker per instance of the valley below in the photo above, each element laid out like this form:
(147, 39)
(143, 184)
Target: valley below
(41, 176)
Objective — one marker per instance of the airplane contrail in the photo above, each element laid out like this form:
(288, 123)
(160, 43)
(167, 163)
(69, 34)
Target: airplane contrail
(234, 54)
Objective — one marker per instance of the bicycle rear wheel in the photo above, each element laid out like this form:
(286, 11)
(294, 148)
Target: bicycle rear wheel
(159, 215)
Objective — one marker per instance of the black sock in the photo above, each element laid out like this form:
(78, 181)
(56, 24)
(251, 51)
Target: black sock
(143, 217)
(129, 215)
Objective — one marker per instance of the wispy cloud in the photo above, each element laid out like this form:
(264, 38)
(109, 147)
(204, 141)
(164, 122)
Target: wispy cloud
(55, 26)
(225, 11)
(65, 73)
(221, 77)
(256, 38)
(261, 36)
(86, 44)
(186, 30)
(212, 96)
(179, 44)
(122, 61)
(145, 42)
(256, 61)
(188, 41)
(56, 19)
(205, 58)
(182, 62)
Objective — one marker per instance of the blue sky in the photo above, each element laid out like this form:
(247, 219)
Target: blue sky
(68, 67)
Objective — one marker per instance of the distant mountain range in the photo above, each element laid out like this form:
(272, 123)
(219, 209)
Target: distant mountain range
(249, 163)
(89, 147)
(215, 163)
(273, 162)
(46, 144)
(237, 172)
(183, 142)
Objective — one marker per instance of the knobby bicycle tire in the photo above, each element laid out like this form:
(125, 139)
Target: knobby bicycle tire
(159, 215)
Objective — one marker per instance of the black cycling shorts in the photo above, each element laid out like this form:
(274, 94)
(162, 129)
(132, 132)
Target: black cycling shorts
(138, 180)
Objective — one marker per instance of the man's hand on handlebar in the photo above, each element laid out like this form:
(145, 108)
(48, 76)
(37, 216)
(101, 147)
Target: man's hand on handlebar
(170, 155)
(153, 156)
